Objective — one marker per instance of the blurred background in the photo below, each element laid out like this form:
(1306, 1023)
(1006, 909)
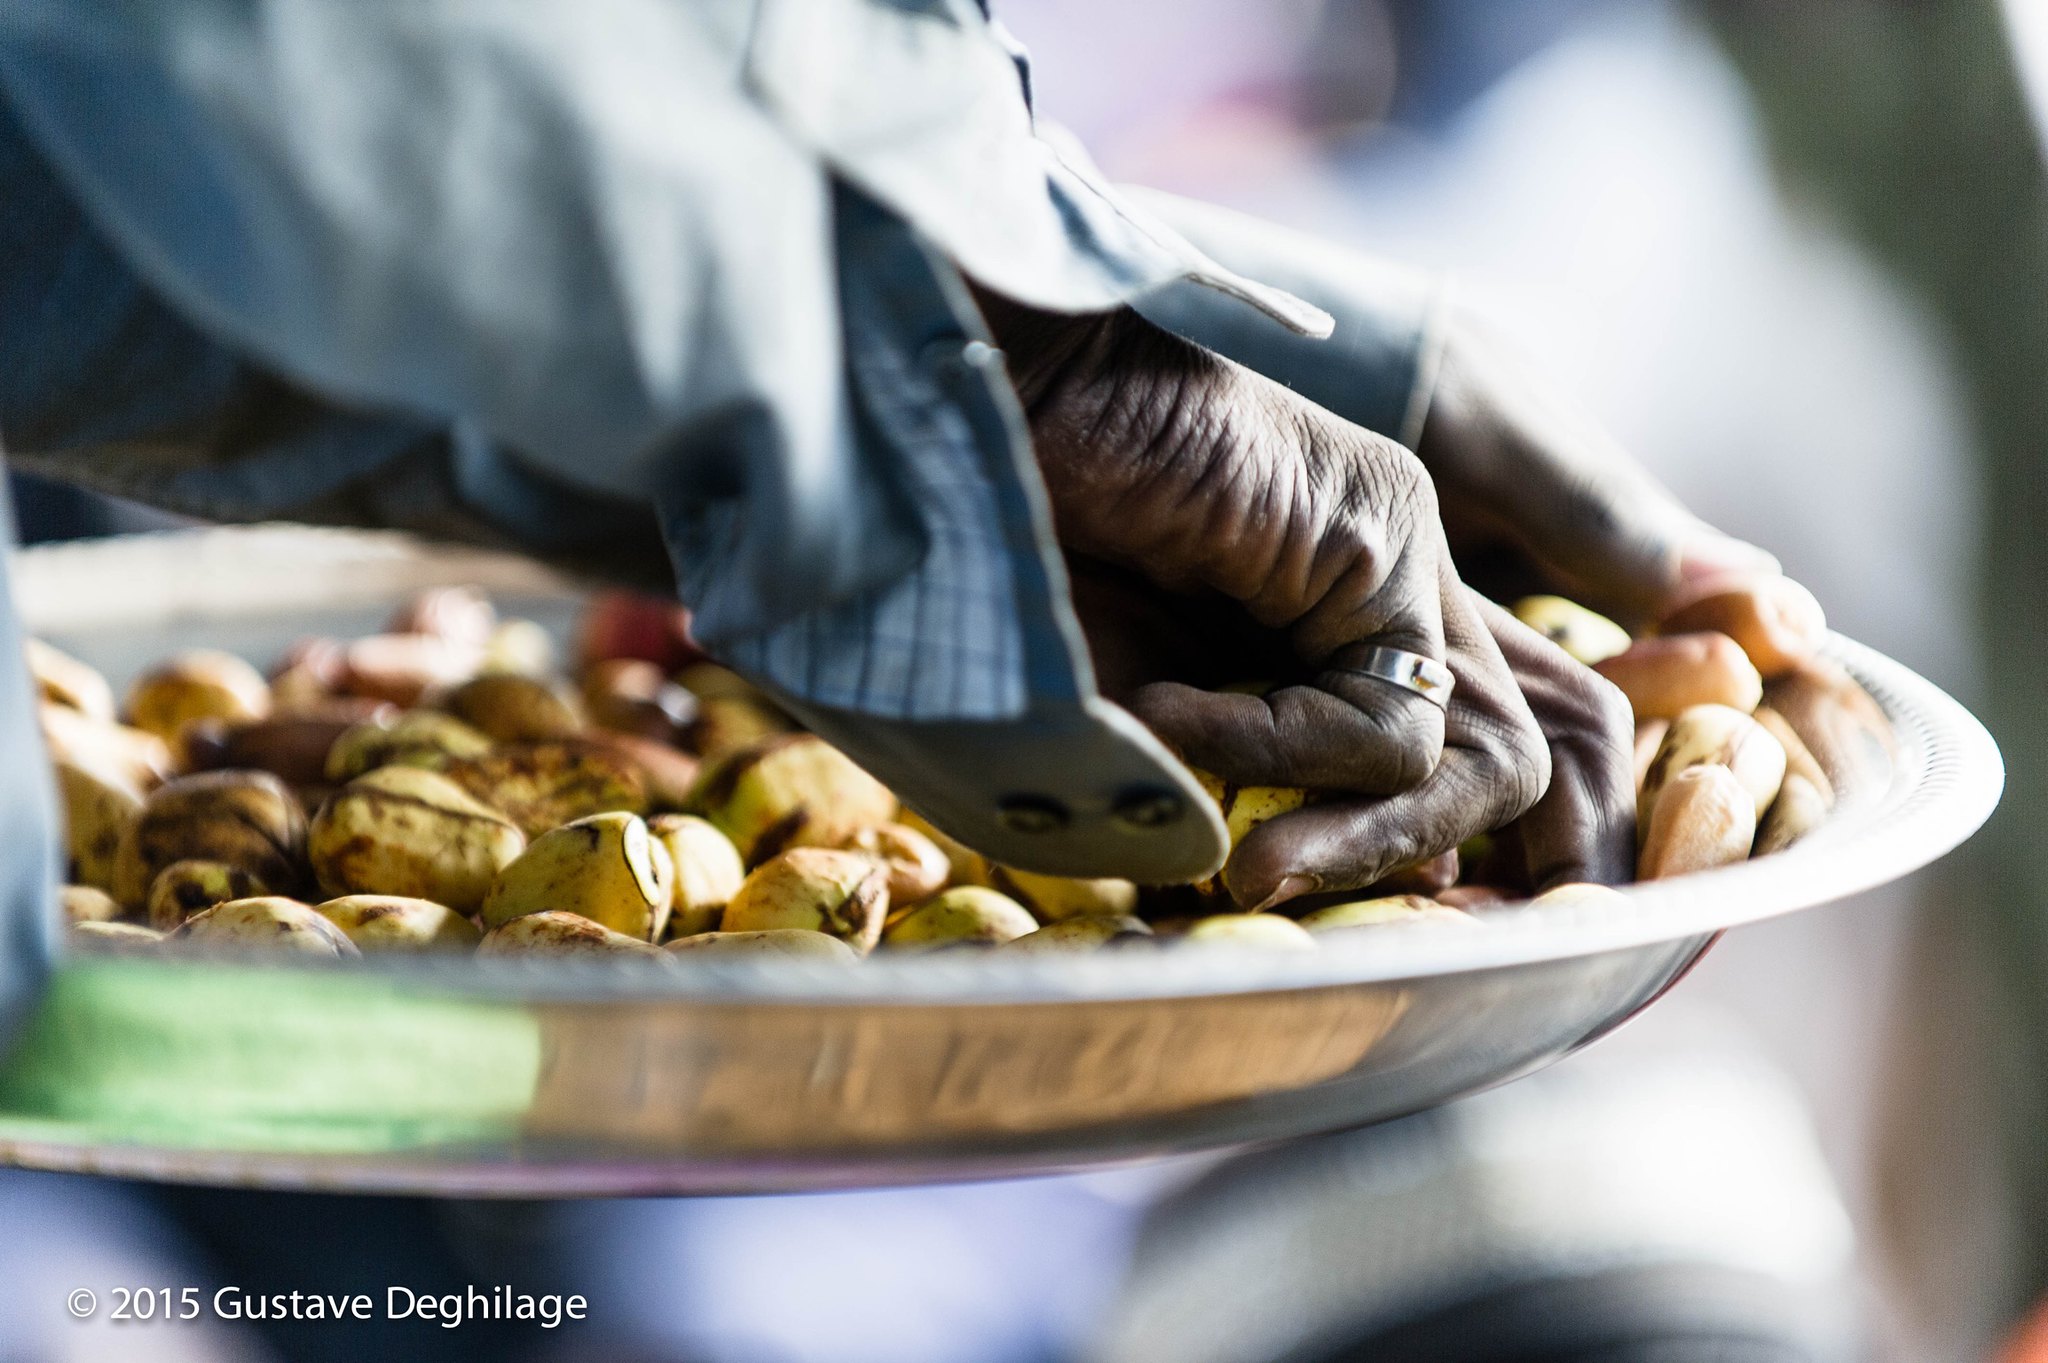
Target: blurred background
(1793, 255)
(1796, 256)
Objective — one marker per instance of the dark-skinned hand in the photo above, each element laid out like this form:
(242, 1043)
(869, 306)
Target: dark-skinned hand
(1218, 524)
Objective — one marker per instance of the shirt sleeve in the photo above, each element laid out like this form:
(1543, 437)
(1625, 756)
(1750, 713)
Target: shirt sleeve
(104, 385)
(1378, 366)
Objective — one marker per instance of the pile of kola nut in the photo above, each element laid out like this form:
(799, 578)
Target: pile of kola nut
(442, 787)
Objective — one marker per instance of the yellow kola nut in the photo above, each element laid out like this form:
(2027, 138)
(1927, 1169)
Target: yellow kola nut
(965, 866)
(1245, 808)
(135, 757)
(198, 685)
(708, 871)
(514, 709)
(266, 923)
(84, 904)
(725, 725)
(248, 819)
(1257, 931)
(1582, 893)
(1086, 933)
(844, 894)
(66, 681)
(709, 681)
(1799, 809)
(966, 916)
(1587, 636)
(521, 646)
(918, 867)
(99, 806)
(395, 923)
(403, 831)
(768, 944)
(115, 939)
(544, 785)
(417, 738)
(187, 887)
(1703, 819)
(555, 933)
(1799, 759)
(797, 791)
(1052, 898)
(1714, 735)
(1385, 911)
(607, 867)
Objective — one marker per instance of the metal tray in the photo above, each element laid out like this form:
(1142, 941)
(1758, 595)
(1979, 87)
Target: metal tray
(544, 1079)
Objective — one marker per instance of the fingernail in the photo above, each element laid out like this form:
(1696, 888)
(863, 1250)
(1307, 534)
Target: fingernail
(1290, 887)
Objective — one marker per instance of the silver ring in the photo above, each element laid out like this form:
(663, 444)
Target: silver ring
(1426, 677)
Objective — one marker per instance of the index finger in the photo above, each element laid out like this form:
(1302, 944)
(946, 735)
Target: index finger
(1495, 766)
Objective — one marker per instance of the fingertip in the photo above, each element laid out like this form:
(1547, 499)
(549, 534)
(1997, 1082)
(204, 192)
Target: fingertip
(1776, 620)
(1289, 887)
(1324, 846)
(1266, 868)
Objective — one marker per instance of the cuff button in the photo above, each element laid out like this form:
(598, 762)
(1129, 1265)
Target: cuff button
(1148, 809)
(1033, 814)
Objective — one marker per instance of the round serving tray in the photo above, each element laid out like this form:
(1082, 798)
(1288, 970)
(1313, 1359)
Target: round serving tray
(535, 1078)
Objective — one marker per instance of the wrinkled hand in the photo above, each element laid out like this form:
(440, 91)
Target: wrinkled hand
(1584, 827)
(1581, 829)
(1221, 529)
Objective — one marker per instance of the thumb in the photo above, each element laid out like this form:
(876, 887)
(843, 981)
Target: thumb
(1519, 458)
(1617, 537)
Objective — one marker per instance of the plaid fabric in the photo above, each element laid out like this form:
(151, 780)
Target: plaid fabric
(957, 636)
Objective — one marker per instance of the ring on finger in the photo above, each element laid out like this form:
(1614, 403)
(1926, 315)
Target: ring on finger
(1424, 676)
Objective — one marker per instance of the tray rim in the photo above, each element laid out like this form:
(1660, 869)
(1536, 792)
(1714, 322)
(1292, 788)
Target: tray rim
(1947, 780)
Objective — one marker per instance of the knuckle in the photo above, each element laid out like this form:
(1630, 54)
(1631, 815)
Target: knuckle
(1382, 486)
(1356, 531)
(1408, 484)
(1597, 708)
(1515, 760)
(1386, 476)
(1531, 772)
(1598, 726)
(1413, 757)
(1613, 718)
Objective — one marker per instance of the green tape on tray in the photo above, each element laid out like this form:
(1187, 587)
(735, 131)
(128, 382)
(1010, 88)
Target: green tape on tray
(220, 1058)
